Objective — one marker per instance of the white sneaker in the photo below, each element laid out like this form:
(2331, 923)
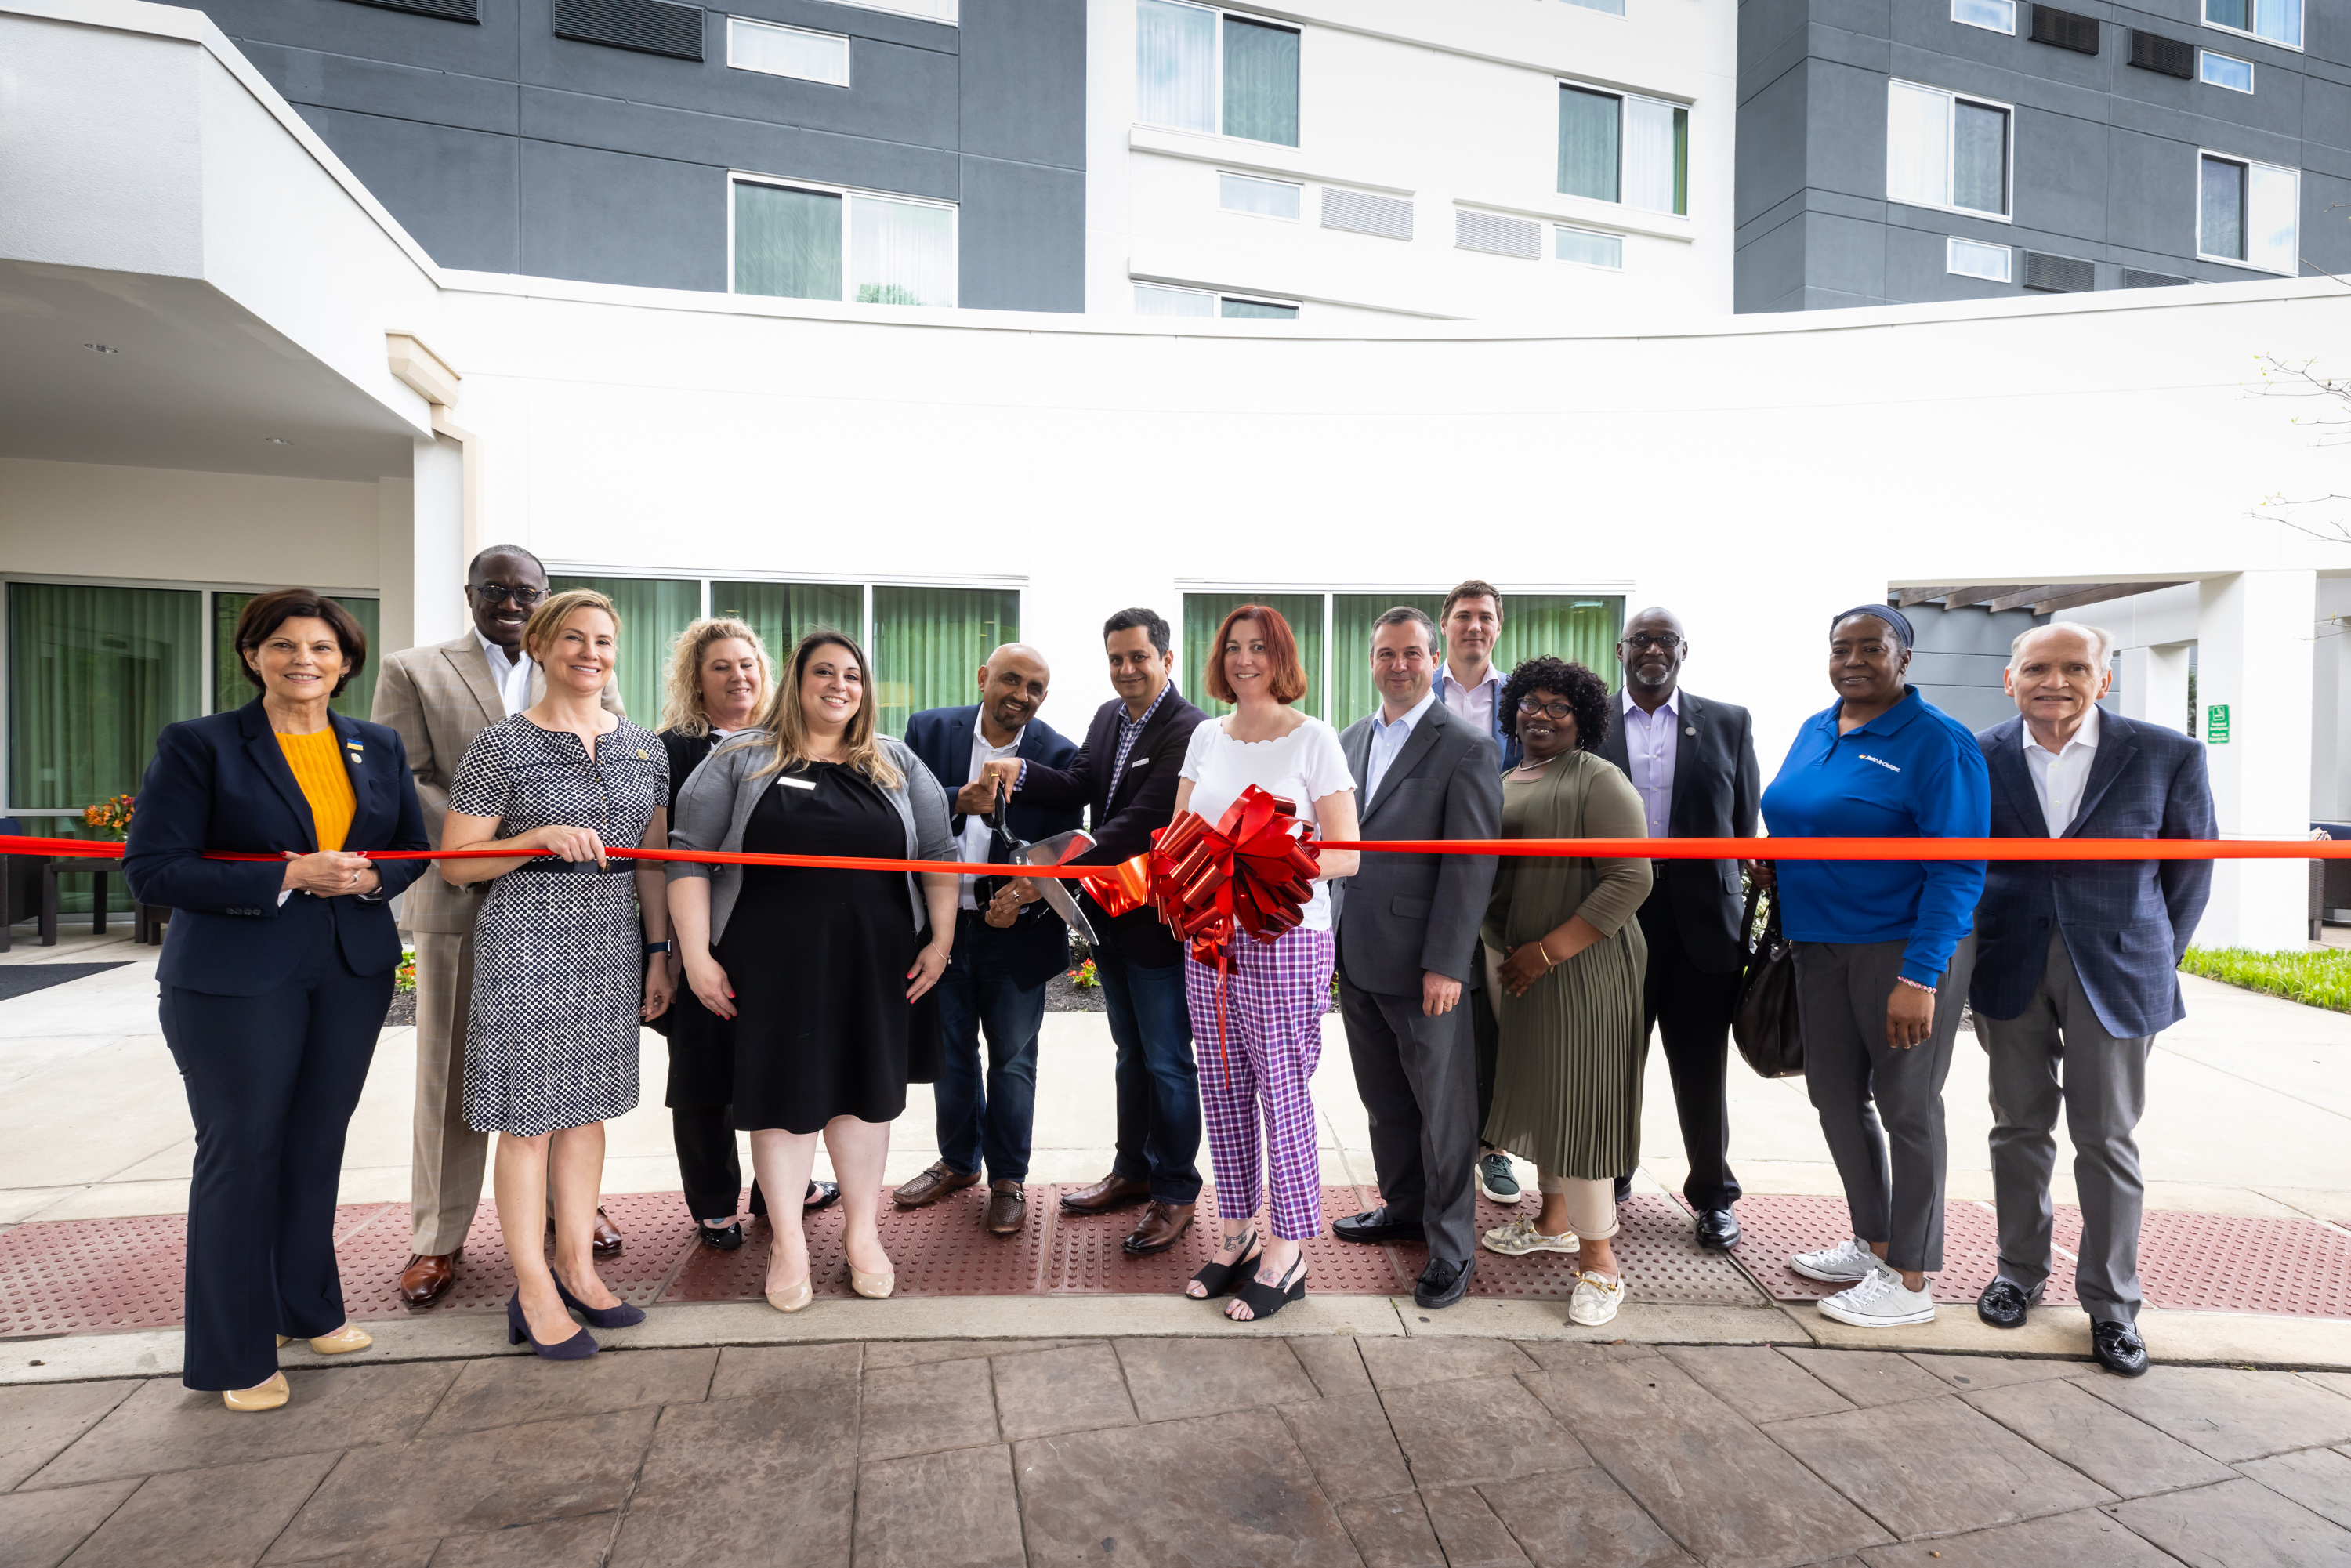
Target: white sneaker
(1880, 1302)
(1520, 1237)
(1596, 1299)
(1838, 1265)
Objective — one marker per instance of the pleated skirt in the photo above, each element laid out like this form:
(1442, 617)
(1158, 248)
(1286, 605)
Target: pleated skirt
(1567, 1071)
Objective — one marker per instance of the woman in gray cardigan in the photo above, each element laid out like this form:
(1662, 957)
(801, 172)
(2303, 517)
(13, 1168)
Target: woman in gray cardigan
(825, 972)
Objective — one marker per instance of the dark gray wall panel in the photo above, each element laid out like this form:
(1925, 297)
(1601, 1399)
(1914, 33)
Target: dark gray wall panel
(649, 130)
(855, 21)
(1024, 73)
(1770, 269)
(453, 189)
(1769, 155)
(2060, 175)
(1006, 206)
(379, 87)
(1845, 254)
(2152, 193)
(608, 217)
(343, 27)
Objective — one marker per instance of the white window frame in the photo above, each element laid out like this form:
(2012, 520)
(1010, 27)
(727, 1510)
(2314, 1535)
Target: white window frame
(1624, 102)
(2251, 75)
(847, 50)
(1603, 7)
(848, 232)
(2249, 165)
(1952, 152)
(949, 13)
(1951, 245)
(1217, 87)
(2204, 16)
(1297, 186)
(1970, 22)
(1218, 297)
(1597, 233)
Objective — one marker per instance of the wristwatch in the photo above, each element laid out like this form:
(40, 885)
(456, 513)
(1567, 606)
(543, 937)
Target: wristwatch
(654, 947)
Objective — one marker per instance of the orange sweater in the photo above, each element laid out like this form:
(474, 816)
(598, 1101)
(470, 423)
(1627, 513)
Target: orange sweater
(318, 764)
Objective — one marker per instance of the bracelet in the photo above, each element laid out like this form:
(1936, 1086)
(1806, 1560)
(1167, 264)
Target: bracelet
(1914, 984)
(1549, 963)
(654, 947)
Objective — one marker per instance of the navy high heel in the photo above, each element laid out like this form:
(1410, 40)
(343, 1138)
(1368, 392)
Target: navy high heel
(578, 1347)
(619, 1317)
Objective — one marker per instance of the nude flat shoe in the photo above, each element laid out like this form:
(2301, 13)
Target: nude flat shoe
(874, 1287)
(342, 1342)
(793, 1300)
(266, 1396)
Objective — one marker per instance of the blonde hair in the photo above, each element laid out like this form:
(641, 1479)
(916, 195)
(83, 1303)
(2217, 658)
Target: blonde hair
(784, 720)
(555, 609)
(681, 705)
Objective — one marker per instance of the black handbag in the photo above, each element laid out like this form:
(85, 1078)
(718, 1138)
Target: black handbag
(1770, 1033)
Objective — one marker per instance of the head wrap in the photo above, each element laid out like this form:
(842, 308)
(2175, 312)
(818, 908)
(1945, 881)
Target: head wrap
(1885, 612)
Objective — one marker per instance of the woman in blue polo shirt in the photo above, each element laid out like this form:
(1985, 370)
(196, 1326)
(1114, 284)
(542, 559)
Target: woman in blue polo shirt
(1882, 954)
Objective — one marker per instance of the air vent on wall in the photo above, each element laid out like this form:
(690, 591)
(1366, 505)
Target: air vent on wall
(2134, 278)
(2066, 29)
(1363, 213)
(2058, 274)
(652, 26)
(1492, 232)
(448, 10)
(2154, 52)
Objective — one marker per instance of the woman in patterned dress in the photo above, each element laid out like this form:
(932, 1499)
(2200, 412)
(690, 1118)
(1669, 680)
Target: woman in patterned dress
(561, 976)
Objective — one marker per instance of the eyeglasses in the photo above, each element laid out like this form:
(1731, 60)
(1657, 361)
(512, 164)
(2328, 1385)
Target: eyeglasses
(499, 594)
(1665, 642)
(1530, 708)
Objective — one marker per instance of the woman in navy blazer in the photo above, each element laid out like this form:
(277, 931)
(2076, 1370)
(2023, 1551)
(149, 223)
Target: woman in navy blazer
(276, 976)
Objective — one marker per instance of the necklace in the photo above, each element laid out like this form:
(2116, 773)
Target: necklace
(1532, 767)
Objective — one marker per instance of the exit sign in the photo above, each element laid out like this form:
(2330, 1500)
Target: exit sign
(2216, 723)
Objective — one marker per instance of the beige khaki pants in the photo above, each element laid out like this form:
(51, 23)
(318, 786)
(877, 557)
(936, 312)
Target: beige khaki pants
(446, 1169)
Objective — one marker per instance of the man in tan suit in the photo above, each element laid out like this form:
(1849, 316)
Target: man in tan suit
(439, 699)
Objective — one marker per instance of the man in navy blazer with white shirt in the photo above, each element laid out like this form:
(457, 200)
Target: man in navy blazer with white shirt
(995, 983)
(2077, 968)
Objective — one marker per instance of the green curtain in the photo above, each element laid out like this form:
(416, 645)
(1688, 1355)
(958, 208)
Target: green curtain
(1261, 82)
(784, 613)
(94, 675)
(1588, 163)
(1351, 614)
(1580, 627)
(1203, 611)
(1251, 310)
(928, 644)
(232, 690)
(654, 611)
(787, 242)
(1681, 161)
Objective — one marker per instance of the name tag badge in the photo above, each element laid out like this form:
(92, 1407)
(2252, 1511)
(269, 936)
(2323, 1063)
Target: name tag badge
(797, 783)
(1138, 762)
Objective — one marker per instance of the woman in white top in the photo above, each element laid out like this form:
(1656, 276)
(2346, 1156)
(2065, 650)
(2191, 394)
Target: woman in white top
(1275, 992)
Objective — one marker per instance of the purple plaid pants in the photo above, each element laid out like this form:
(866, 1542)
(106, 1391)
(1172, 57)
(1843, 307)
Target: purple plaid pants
(1274, 999)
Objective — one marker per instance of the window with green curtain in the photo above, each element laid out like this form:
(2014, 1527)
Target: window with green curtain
(784, 613)
(787, 242)
(1588, 129)
(1261, 81)
(1204, 611)
(1351, 617)
(94, 675)
(1580, 628)
(1681, 161)
(1258, 310)
(654, 611)
(929, 644)
(232, 690)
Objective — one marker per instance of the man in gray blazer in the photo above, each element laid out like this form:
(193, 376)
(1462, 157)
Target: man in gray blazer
(1408, 927)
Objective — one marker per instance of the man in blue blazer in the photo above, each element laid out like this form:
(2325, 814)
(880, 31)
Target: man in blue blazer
(995, 984)
(2076, 968)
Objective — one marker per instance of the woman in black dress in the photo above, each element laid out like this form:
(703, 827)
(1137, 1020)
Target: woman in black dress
(827, 974)
(717, 680)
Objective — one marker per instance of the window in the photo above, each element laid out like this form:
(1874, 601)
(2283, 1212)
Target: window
(232, 690)
(809, 243)
(654, 611)
(1199, 68)
(928, 641)
(1999, 15)
(2279, 21)
(1258, 198)
(937, 10)
(1973, 259)
(2225, 70)
(784, 613)
(787, 51)
(1944, 151)
(1158, 299)
(1606, 7)
(1614, 148)
(1586, 248)
(2249, 213)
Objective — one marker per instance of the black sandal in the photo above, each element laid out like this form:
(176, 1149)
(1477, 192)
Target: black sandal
(1263, 1300)
(1218, 1276)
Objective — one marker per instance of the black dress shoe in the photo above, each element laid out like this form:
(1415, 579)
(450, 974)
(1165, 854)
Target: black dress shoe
(1718, 1228)
(2003, 1303)
(1444, 1282)
(1375, 1225)
(725, 1237)
(2118, 1348)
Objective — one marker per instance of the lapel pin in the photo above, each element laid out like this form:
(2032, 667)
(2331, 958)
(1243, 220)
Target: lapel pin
(1689, 729)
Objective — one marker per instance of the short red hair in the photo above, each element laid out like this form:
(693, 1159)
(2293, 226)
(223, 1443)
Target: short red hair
(1289, 682)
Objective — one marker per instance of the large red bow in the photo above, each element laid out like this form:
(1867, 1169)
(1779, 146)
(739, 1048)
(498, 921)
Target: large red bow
(1253, 872)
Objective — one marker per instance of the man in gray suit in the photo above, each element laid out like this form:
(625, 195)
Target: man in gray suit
(1407, 928)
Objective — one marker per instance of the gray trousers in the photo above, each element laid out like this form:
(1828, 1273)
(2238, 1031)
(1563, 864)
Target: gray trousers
(2104, 1091)
(1881, 1109)
(1418, 1077)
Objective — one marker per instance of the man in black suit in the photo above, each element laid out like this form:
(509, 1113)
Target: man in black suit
(1693, 761)
(1125, 777)
(995, 983)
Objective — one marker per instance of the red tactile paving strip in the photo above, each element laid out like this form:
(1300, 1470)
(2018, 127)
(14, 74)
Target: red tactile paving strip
(1087, 1259)
(1774, 1227)
(1661, 1258)
(2214, 1262)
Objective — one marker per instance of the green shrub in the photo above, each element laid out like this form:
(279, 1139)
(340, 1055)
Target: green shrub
(2320, 979)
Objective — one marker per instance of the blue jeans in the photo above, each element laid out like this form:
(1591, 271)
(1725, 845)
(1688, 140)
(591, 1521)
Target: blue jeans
(1158, 1084)
(987, 1118)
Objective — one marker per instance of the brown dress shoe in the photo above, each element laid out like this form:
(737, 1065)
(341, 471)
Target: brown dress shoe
(427, 1277)
(608, 1237)
(1007, 1207)
(1111, 1192)
(933, 1185)
(1161, 1225)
